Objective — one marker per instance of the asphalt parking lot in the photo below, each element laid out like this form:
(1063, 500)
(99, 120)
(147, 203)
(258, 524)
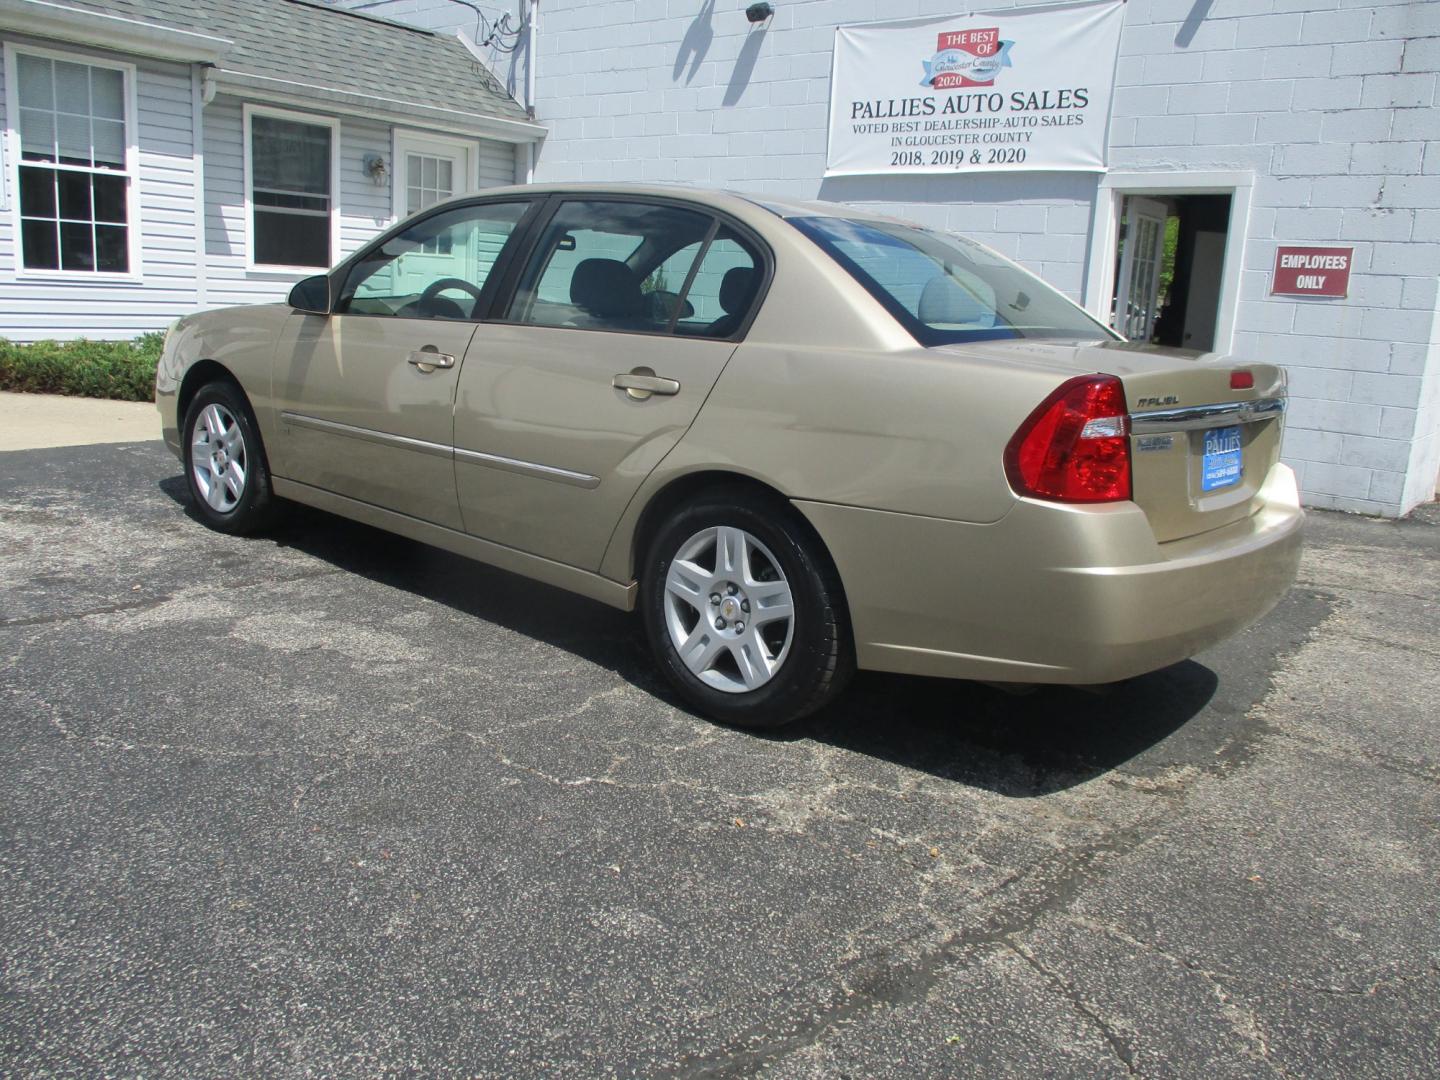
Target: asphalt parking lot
(332, 803)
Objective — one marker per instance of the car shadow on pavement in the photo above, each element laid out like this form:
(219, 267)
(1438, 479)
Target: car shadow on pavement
(1019, 745)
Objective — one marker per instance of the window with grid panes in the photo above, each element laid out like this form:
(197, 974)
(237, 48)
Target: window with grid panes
(290, 195)
(73, 178)
(429, 180)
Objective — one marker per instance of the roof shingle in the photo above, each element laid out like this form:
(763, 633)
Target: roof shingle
(307, 42)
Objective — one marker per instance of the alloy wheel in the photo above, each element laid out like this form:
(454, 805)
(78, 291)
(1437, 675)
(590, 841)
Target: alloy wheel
(218, 458)
(729, 609)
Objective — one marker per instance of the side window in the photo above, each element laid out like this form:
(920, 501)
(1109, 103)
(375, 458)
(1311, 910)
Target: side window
(668, 278)
(610, 266)
(574, 247)
(436, 268)
(723, 290)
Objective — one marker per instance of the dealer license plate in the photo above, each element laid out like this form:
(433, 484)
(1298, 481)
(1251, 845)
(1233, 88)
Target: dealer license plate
(1221, 465)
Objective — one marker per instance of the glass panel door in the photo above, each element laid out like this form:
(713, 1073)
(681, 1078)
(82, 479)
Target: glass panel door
(432, 170)
(1137, 292)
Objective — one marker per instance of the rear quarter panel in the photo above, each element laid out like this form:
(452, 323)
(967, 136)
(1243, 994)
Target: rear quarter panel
(908, 431)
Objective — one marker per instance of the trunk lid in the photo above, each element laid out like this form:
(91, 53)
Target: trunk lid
(1200, 448)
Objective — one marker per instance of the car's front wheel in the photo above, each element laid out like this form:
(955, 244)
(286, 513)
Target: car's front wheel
(744, 611)
(224, 461)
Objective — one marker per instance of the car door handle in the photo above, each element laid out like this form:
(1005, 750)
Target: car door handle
(640, 383)
(429, 358)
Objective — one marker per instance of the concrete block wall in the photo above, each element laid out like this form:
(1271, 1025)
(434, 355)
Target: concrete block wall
(1331, 104)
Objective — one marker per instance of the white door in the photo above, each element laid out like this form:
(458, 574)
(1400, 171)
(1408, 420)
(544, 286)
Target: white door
(1137, 291)
(1203, 299)
(429, 169)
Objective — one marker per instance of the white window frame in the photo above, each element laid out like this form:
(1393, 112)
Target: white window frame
(132, 166)
(1105, 225)
(333, 123)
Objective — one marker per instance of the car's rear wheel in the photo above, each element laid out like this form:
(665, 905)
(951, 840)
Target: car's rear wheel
(224, 461)
(744, 611)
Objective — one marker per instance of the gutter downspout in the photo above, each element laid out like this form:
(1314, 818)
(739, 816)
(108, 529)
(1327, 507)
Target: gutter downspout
(530, 41)
(530, 36)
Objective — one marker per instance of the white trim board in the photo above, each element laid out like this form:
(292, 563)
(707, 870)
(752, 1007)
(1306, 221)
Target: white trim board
(197, 163)
(1105, 226)
(5, 147)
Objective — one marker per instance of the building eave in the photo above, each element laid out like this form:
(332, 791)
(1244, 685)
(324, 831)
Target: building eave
(43, 19)
(309, 95)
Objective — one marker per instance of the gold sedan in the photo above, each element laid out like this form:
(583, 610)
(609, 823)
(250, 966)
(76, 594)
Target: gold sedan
(799, 438)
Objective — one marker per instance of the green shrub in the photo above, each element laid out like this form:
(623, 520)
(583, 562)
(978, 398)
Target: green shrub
(123, 370)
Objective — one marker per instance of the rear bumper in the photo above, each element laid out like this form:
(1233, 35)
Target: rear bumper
(1054, 594)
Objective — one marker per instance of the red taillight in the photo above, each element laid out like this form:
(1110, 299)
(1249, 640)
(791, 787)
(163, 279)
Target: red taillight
(1242, 380)
(1076, 446)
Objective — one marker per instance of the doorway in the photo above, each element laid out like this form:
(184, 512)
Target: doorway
(1184, 205)
(1169, 268)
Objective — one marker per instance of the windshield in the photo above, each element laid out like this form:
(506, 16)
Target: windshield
(945, 289)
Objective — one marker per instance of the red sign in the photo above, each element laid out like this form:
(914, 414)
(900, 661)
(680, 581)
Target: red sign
(1311, 271)
(979, 44)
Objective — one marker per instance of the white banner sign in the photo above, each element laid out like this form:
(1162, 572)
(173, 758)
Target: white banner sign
(1026, 89)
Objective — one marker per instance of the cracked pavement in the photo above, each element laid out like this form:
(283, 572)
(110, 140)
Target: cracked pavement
(334, 803)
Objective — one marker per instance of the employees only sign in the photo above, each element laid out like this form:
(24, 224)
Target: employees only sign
(992, 92)
(1311, 271)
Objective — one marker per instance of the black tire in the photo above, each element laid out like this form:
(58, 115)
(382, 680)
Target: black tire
(819, 659)
(217, 505)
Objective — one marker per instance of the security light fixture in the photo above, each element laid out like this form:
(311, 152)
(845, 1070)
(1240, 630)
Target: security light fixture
(376, 168)
(759, 12)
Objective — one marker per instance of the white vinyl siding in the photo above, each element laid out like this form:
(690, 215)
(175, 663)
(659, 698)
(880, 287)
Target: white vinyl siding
(168, 277)
(361, 207)
(497, 164)
(364, 207)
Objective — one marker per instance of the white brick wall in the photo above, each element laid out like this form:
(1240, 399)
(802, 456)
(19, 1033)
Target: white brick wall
(1331, 104)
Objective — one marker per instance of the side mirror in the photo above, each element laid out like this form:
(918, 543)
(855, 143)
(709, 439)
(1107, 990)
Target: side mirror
(312, 295)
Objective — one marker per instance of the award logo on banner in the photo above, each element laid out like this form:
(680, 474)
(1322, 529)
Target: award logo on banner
(966, 58)
(1003, 91)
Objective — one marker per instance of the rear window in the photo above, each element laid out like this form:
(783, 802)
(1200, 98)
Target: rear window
(945, 289)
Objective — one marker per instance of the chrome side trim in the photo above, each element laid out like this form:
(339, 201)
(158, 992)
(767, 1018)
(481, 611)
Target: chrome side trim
(420, 446)
(528, 468)
(383, 438)
(1196, 417)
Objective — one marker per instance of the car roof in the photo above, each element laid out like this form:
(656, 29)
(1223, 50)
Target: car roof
(734, 201)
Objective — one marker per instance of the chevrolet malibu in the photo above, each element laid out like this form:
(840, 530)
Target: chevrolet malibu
(798, 438)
